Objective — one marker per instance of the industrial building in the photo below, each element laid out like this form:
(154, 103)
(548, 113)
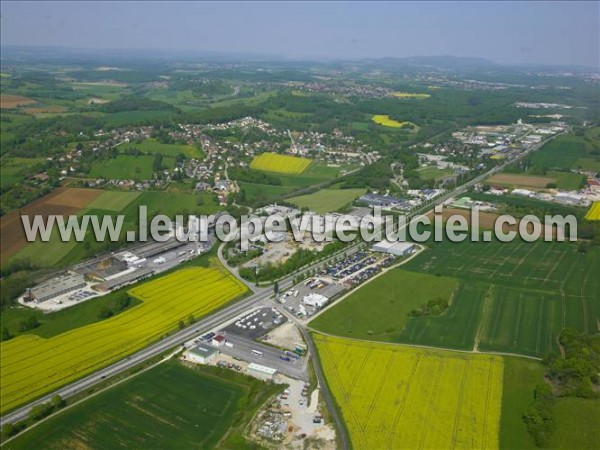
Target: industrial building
(394, 248)
(316, 300)
(55, 287)
(202, 354)
(262, 372)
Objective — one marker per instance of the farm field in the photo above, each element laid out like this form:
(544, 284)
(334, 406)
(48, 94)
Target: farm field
(511, 298)
(577, 424)
(14, 101)
(519, 180)
(113, 200)
(562, 152)
(263, 192)
(273, 162)
(433, 173)
(545, 266)
(588, 164)
(594, 212)
(316, 173)
(65, 201)
(399, 397)
(171, 203)
(165, 301)
(126, 167)
(384, 120)
(531, 290)
(13, 169)
(520, 378)
(151, 146)
(379, 310)
(411, 95)
(152, 410)
(326, 200)
(567, 180)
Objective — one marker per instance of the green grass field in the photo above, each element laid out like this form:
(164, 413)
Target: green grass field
(512, 297)
(566, 180)
(263, 193)
(169, 406)
(433, 173)
(561, 153)
(520, 378)
(113, 200)
(589, 164)
(128, 118)
(326, 200)
(13, 170)
(379, 310)
(125, 167)
(171, 203)
(538, 289)
(152, 146)
(577, 424)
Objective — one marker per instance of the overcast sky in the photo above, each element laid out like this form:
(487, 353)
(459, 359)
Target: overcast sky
(506, 32)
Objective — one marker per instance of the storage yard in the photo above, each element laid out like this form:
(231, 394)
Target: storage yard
(256, 323)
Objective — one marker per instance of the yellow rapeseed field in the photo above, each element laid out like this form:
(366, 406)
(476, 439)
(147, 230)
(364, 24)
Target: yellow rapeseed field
(385, 121)
(32, 366)
(393, 396)
(594, 212)
(274, 162)
(411, 95)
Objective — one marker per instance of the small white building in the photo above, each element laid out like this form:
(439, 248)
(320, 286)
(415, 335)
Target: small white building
(394, 248)
(522, 192)
(202, 354)
(218, 340)
(262, 372)
(316, 300)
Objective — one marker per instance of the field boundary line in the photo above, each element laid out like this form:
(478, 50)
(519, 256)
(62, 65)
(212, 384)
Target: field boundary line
(426, 347)
(379, 388)
(487, 304)
(66, 408)
(434, 395)
(405, 395)
(459, 405)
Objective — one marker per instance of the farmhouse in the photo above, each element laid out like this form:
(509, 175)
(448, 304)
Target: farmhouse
(262, 372)
(316, 300)
(54, 287)
(202, 354)
(394, 248)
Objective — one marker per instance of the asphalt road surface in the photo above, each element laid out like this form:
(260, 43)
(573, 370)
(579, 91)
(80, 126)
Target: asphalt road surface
(224, 315)
(242, 349)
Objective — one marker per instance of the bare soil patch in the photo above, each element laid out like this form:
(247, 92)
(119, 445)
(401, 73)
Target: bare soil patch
(520, 180)
(13, 101)
(61, 201)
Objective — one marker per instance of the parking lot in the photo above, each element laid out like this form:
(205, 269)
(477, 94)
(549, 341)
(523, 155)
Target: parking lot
(243, 349)
(292, 299)
(256, 323)
(360, 266)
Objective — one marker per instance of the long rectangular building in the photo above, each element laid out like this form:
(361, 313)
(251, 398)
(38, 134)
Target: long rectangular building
(53, 288)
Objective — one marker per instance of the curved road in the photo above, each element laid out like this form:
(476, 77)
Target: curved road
(229, 313)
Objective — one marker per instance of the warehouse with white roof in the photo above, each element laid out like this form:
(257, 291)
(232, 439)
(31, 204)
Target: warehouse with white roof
(394, 248)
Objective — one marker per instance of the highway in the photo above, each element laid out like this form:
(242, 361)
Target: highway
(259, 298)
